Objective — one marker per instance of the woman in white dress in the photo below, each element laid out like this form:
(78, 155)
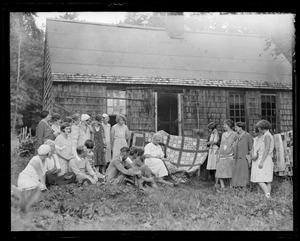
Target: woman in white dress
(33, 176)
(119, 136)
(154, 156)
(262, 163)
(63, 145)
(214, 141)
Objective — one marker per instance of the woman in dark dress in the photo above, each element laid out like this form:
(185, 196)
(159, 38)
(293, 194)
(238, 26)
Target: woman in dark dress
(100, 147)
(241, 165)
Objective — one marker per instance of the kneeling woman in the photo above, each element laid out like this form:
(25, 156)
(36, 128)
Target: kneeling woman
(33, 176)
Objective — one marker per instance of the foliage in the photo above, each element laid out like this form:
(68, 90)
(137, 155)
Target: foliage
(69, 16)
(26, 90)
(27, 147)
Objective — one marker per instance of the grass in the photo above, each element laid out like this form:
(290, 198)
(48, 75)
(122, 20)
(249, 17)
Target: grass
(194, 206)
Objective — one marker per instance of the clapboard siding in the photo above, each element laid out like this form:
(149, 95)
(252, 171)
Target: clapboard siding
(285, 101)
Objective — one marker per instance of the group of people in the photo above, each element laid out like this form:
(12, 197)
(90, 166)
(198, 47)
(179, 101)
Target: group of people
(79, 149)
(239, 159)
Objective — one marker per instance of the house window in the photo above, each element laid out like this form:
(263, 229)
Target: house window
(237, 107)
(116, 103)
(268, 109)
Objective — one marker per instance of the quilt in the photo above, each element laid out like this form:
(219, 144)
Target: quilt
(283, 154)
(185, 154)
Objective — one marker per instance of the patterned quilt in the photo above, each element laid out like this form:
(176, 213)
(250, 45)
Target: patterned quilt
(283, 154)
(185, 154)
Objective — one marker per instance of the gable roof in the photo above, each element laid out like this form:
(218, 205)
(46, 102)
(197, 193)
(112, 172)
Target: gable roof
(84, 48)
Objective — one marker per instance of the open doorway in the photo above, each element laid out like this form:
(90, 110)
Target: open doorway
(167, 113)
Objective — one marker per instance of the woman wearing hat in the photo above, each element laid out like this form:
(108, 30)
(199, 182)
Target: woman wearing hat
(63, 144)
(85, 130)
(107, 129)
(33, 176)
(119, 135)
(100, 147)
(214, 141)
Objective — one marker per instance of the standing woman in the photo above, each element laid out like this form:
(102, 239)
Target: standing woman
(74, 135)
(100, 147)
(262, 165)
(225, 160)
(243, 147)
(85, 130)
(63, 145)
(56, 120)
(107, 129)
(44, 130)
(214, 141)
(119, 135)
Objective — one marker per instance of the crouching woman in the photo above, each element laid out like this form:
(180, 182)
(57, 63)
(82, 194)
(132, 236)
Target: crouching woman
(33, 176)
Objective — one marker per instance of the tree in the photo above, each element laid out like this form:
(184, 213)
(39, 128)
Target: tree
(69, 16)
(26, 61)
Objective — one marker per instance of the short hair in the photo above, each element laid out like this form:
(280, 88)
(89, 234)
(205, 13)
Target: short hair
(264, 125)
(89, 144)
(125, 149)
(119, 117)
(241, 124)
(56, 117)
(230, 123)
(44, 113)
(79, 150)
(132, 150)
(64, 125)
(142, 158)
(139, 151)
(75, 117)
(98, 117)
(212, 125)
(67, 119)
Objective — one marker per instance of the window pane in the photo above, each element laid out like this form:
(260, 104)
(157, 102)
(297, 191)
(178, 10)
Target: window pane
(110, 110)
(263, 105)
(242, 113)
(273, 112)
(231, 112)
(243, 120)
(268, 105)
(263, 98)
(237, 113)
(122, 94)
(109, 93)
(237, 106)
(273, 105)
(122, 103)
(110, 102)
(231, 99)
(263, 112)
(116, 102)
(269, 112)
(231, 106)
(273, 99)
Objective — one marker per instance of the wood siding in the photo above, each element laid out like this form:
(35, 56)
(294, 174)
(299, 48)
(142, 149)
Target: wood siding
(140, 109)
(47, 80)
(285, 107)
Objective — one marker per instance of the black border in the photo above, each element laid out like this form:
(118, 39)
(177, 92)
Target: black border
(286, 6)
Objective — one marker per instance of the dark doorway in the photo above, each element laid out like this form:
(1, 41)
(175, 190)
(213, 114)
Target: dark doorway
(112, 120)
(167, 113)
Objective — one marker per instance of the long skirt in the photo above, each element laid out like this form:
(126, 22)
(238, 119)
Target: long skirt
(118, 144)
(212, 159)
(224, 167)
(157, 166)
(240, 173)
(265, 174)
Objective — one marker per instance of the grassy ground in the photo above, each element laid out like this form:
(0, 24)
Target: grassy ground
(193, 206)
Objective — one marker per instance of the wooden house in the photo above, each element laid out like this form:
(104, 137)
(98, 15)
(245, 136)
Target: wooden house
(160, 77)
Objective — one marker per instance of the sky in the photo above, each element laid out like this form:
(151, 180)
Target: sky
(98, 17)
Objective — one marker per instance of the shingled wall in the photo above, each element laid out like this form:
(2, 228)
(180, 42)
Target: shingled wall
(213, 107)
(79, 98)
(285, 102)
(140, 109)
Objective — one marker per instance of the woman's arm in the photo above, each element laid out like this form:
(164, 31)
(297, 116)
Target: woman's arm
(267, 141)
